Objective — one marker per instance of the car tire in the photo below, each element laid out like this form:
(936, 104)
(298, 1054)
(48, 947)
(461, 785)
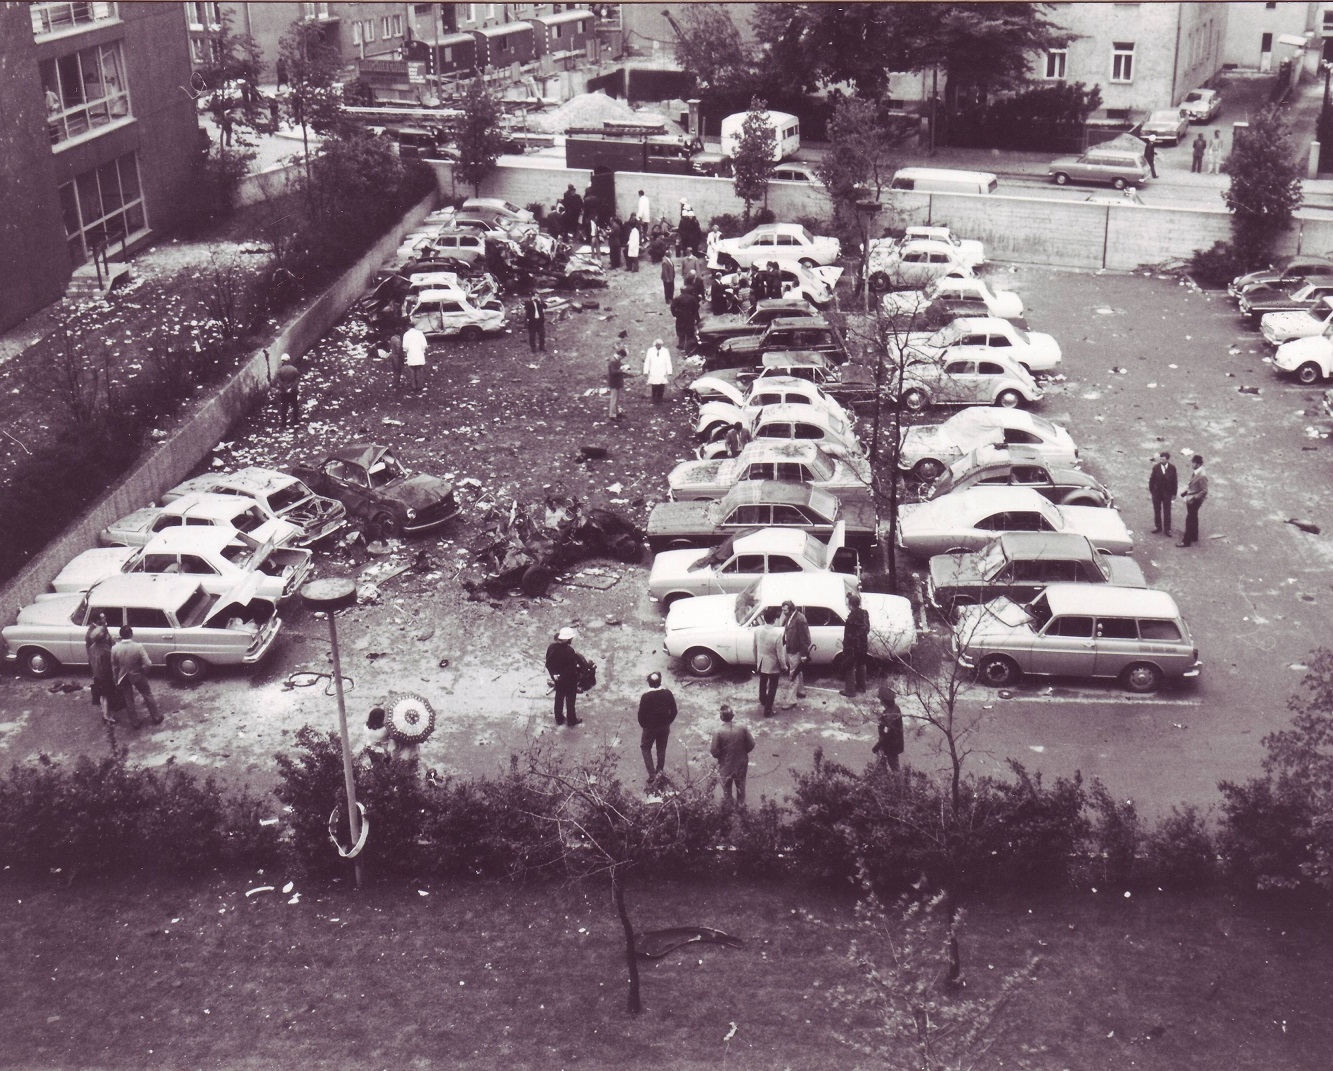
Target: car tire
(386, 524)
(187, 668)
(36, 663)
(1142, 678)
(1008, 399)
(471, 333)
(679, 543)
(915, 400)
(879, 282)
(1309, 373)
(1118, 184)
(928, 468)
(536, 581)
(671, 598)
(701, 662)
(999, 670)
(1061, 179)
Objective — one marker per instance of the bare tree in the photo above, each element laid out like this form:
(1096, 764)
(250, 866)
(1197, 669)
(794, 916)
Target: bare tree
(225, 282)
(82, 386)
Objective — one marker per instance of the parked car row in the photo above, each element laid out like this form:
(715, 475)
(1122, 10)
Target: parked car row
(1292, 303)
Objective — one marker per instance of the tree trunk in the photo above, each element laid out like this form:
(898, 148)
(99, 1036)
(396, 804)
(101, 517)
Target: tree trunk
(634, 1004)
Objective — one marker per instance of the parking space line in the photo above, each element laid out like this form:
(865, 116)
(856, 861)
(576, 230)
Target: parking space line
(1119, 700)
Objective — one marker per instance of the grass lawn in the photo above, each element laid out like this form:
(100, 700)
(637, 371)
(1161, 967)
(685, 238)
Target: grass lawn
(513, 977)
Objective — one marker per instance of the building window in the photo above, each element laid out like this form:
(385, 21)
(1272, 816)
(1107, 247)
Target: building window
(1122, 61)
(369, 31)
(1271, 7)
(398, 26)
(356, 33)
(315, 11)
(1055, 62)
(84, 90)
(57, 18)
(559, 32)
(102, 206)
(204, 16)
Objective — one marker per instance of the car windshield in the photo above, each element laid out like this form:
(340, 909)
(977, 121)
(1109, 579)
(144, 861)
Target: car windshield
(1040, 612)
(248, 520)
(1048, 430)
(80, 611)
(1021, 335)
(287, 497)
(806, 236)
(746, 602)
(385, 471)
(194, 610)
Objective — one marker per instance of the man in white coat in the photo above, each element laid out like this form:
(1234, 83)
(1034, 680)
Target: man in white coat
(657, 369)
(644, 209)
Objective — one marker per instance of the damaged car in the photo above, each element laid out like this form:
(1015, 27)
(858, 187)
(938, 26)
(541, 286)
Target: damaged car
(382, 493)
(282, 494)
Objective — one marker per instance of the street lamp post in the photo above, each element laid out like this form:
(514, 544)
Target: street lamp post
(329, 596)
(865, 211)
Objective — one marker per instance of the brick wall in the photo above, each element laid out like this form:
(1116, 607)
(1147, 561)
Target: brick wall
(178, 456)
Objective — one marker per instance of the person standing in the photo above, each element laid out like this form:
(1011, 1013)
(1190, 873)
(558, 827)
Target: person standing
(1150, 155)
(287, 383)
(657, 710)
(668, 278)
(592, 210)
(534, 315)
(573, 208)
(97, 643)
(565, 664)
(1162, 487)
(615, 381)
(685, 311)
(855, 645)
(632, 244)
(731, 747)
(1200, 146)
(735, 439)
(769, 663)
(615, 238)
(657, 367)
(710, 244)
(643, 209)
(1213, 157)
(1195, 494)
(390, 348)
(690, 264)
(796, 642)
(414, 356)
(129, 664)
(891, 742)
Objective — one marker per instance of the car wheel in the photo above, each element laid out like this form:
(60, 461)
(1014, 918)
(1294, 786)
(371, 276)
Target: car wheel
(1061, 179)
(806, 262)
(471, 333)
(187, 668)
(1118, 184)
(536, 581)
(879, 282)
(958, 602)
(915, 400)
(674, 597)
(1008, 399)
(1309, 373)
(387, 525)
(999, 670)
(36, 663)
(702, 662)
(679, 543)
(1142, 678)
(928, 469)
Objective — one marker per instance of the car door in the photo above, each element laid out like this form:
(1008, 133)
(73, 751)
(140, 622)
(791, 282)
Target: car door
(736, 574)
(1022, 580)
(826, 626)
(788, 516)
(913, 270)
(958, 381)
(990, 376)
(153, 628)
(1117, 643)
(353, 486)
(1066, 647)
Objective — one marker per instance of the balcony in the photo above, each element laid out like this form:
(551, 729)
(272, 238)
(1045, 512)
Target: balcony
(52, 19)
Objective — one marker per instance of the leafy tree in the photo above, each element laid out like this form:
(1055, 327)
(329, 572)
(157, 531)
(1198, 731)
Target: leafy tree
(753, 159)
(858, 163)
(313, 67)
(233, 58)
(710, 47)
(478, 136)
(1265, 185)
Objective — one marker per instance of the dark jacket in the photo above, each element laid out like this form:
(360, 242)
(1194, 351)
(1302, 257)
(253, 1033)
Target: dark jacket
(534, 310)
(657, 709)
(562, 660)
(890, 730)
(731, 747)
(1162, 484)
(856, 632)
(796, 635)
(615, 372)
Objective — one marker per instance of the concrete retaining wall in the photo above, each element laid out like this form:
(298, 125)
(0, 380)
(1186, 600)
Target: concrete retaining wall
(177, 457)
(263, 184)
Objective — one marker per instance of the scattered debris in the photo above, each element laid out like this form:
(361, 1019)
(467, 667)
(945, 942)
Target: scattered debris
(1304, 526)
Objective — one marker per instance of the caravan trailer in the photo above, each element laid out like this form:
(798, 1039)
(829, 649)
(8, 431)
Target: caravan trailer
(786, 128)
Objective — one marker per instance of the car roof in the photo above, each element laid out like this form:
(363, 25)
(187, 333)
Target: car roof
(989, 454)
(775, 228)
(1096, 599)
(770, 414)
(255, 477)
(792, 383)
(192, 537)
(774, 540)
(991, 416)
(1031, 545)
(804, 322)
(976, 323)
(440, 293)
(803, 588)
(783, 303)
(363, 454)
(203, 504)
(931, 244)
(988, 498)
(750, 492)
(168, 590)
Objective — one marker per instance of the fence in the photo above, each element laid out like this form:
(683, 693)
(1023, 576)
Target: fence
(198, 433)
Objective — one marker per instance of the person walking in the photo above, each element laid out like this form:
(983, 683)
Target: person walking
(731, 748)
(890, 743)
(657, 710)
(668, 278)
(414, 357)
(770, 661)
(97, 644)
(657, 368)
(855, 645)
(1195, 494)
(565, 664)
(129, 665)
(1150, 155)
(632, 244)
(1200, 146)
(390, 348)
(287, 384)
(1213, 157)
(644, 209)
(615, 381)
(534, 315)
(796, 642)
(1162, 489)
(615, 240)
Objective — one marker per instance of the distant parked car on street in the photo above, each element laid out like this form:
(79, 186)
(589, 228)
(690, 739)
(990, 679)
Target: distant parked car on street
(1165, 124)
(1115, 163)
(1201, 105)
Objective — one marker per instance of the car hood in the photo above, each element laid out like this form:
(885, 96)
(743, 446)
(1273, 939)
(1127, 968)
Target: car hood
(680, 517)
(91, 566)
(50, 609)
(713, 412)
(1292, 322)
(706, 611)
(1105, 527)
(1298, 350)
(694, 474)
(997, 619)
(674, 564)
(418, 491)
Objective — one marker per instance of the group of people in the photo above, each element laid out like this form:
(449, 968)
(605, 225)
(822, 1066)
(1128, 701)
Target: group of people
(120, 673)
(1207, 154)
(1163, 485)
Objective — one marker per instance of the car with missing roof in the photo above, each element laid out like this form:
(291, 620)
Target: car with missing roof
(928, 449)
(778, 241)
(968, 520)
(761, 504)
(712, 631)
(1285, 272)
(1002, 465)
(230, 512)
(381, 492)
(740, 559)
(218, 558)
(182, 627)
(717, 416)
(1019, 565)
(771, 459)
(910, 303)
(280, 493)
(1280, 327)
(1133, 635)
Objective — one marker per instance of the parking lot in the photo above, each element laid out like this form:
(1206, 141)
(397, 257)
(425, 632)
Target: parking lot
(1149, 364)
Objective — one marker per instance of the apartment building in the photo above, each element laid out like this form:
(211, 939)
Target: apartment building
(99, 135)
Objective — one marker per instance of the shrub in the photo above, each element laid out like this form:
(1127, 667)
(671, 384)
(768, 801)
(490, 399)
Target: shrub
(1179, 854)
(729, 224)
(1115, 839)
(210, 192)
(764, 215)
(1265, 840)
(1216, 266)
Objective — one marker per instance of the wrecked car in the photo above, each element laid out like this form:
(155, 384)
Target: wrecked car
(382, 493)
(282, 494)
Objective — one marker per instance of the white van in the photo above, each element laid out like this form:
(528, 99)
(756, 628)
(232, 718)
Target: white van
(786, 130)
(942, 180)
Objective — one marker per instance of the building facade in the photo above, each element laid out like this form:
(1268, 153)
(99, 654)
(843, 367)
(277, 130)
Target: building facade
(1254, 32)
(98, 138)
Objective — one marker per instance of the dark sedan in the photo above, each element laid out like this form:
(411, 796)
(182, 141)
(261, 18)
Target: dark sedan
(714, 333)
(377, 489)
(1286, 272)
(1257, 302)
(786, 333)
(760, 504)
(1019, 466)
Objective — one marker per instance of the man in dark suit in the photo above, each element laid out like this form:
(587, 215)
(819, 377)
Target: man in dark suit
(534, 315)
(1162, 488)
